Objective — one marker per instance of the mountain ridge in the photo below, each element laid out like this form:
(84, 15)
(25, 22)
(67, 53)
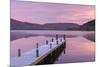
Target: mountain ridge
(19, 25)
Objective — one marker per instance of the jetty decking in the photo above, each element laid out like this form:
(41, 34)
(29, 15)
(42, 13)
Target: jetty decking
(45, 54)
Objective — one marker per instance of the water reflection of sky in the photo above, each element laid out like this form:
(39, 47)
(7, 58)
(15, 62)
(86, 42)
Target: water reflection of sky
(26, 44)
(77, 48)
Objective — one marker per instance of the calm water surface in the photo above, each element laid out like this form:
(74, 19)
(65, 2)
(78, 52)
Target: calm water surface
(80, 45)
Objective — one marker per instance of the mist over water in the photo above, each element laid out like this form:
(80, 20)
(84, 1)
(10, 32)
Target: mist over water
(80, 45)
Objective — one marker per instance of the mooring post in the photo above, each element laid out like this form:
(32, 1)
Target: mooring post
(64, 40)
(56, 37)
(37, 50)
(52, 39)
(46, 42)
(19, 52)
(57, 42)
(50, 45)
(64, 37)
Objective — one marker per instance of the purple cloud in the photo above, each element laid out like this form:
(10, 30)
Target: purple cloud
(41, 13)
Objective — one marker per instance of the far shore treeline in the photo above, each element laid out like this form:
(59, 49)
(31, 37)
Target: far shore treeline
(19, 25)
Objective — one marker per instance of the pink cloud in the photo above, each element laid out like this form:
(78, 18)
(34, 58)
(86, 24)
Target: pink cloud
(42, 13)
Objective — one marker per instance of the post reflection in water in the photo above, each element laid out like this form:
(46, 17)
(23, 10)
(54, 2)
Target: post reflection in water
(64, 51)
(78, 48)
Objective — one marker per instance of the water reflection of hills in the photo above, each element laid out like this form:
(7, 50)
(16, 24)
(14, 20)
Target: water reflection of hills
(90, 36)
(18, 35)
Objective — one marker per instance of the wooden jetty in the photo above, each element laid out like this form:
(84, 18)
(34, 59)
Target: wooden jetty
(45, 54)
(50, 56)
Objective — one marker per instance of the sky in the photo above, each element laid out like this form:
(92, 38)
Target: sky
(89, 2)
(41, 13)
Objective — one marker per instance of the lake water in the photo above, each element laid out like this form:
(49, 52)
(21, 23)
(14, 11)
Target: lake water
(80, 45)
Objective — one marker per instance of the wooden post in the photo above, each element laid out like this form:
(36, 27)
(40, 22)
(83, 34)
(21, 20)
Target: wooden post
(46, 42)
(64, 37)
(52, 39)
(57, 42)
(37, 50)
(19, 52)
(56, 37)
(50, 45)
